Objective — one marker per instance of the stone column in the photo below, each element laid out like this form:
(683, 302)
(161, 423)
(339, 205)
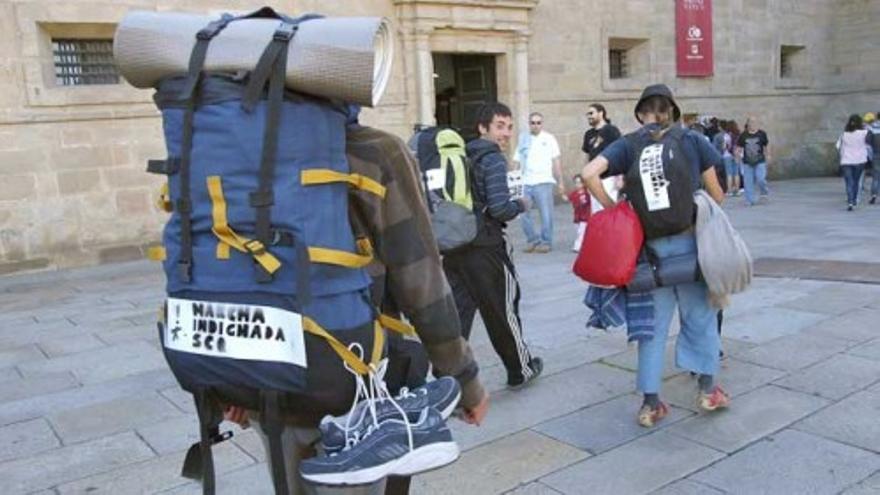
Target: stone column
(425, 77)
(521, 78)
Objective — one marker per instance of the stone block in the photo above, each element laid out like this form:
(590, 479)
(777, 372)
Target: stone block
(736, 378)
(500, 466)
(17, 388)
(25, 439)
(604, 426)
(70, 463)
(870, 350)
(534, 488)
(852, 421)
(102, 364)
(834, 300)
(133, 202)
(750, 417)
(513, 411)
(154, 475)
(91, 157)
(254, 479)
(858, 325)
(182, 399)
(834, 378)
(870, 486)
(21, 355)
(687, 487)
(791, 462)
(249, 441)
(795, 352)
(17, 187)
(69, 345)
(113, 416)
(641, 466)
(171, 434)
(768, 324)
(78, 181)
(43, 405)
(125, 331)
(629, 360)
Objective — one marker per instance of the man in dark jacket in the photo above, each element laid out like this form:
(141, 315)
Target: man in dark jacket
(482, 275)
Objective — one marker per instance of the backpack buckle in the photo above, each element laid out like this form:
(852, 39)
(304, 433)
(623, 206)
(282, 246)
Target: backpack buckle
(285, 32)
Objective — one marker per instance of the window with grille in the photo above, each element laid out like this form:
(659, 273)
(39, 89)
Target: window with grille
(81, 62)
(617, 68)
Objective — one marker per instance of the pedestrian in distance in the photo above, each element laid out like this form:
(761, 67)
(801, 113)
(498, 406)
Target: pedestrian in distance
(538, 157)
(853, 148)
(580, 203)
(873, 125)
(753, 149)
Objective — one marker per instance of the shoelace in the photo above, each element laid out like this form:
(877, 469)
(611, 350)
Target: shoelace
(375, 392)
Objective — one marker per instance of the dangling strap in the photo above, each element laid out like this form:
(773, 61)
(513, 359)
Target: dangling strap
(350, 358)
(270, 423)
(272, 64)
(199, 462)
(191, 94)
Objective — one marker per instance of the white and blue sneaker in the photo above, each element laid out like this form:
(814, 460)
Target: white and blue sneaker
(395, 447)
(442, 394)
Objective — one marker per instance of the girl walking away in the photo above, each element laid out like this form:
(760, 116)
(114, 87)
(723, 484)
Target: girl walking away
(853, 147)
(663, 165)
(580, 202)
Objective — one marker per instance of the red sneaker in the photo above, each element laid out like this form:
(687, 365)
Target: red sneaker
(717, 399)
(649, 416)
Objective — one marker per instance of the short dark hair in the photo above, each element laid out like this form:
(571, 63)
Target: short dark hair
(488, 111)
(601, 109)
(854, 123)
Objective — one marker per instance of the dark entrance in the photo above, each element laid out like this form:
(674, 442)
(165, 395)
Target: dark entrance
(462, 83)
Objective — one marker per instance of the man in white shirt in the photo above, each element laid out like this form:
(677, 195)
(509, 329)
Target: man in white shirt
(538, 156)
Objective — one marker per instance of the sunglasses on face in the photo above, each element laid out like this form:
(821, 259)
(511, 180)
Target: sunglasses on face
(535, 122)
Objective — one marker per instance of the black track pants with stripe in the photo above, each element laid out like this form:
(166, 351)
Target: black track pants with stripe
(484, 279)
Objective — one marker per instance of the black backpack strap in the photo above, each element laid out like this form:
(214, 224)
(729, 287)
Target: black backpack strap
(199, 461)
(190, 94)
(272, 426)
(272, 68)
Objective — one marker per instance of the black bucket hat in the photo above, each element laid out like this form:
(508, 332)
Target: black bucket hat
(658, 90)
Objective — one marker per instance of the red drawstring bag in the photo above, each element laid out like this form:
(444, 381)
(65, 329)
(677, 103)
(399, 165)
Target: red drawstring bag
(611, 247)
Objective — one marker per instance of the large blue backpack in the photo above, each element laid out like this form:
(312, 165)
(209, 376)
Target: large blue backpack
(267, 292)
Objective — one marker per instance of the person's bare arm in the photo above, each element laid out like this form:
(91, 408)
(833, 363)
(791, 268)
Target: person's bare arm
(591, 175)
(710, 182)
(557, 173)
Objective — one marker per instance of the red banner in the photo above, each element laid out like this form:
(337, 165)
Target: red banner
(693, 38)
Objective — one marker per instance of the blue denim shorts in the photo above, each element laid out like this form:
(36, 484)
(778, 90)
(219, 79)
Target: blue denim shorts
(731, 168)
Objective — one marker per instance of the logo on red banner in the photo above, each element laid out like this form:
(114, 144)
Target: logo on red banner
(693, 38)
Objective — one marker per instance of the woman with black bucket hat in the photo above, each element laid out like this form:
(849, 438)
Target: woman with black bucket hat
(664, 165)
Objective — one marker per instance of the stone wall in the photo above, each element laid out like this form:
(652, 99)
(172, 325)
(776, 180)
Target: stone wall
(72, 186)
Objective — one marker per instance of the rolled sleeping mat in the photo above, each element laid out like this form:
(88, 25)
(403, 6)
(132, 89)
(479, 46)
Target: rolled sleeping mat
(347, 58)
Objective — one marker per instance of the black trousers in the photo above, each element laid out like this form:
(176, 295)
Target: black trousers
(483, 278)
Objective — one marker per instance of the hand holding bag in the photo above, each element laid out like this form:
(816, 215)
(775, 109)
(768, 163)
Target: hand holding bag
(610, 247)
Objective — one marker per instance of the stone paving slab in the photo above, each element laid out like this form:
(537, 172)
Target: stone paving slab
(546, 398)
(870, 486)
(751, 416)
(852, 421)
(535, 488)
(26, 438)
(641, 466)
(19, 355)
(154, 475)
(629, 360)
(499, 466)
(250, 480)
(870, 350)
(69, 345)
(795, 352)
(116, 415)
(767, 324)
(835, 300)
(834, 378)
(687, 487)
(17, 388)
(102, 364)
(858, 325)
(736, 378)
(812, 465)
(45, 470)
(604, 426)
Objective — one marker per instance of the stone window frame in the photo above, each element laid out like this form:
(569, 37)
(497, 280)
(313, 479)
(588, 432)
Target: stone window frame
(801, 59)
(641, 59)
(39, 24)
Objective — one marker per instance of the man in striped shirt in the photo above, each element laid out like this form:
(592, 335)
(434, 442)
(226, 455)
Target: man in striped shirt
(482, 275)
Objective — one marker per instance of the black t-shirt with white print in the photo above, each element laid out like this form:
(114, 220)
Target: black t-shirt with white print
(595, 140)
(753, 145)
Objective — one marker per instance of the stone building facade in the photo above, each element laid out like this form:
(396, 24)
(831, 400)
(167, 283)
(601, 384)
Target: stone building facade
(72, 185)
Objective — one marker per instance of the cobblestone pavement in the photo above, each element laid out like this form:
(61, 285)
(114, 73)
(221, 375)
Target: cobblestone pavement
(87, 404)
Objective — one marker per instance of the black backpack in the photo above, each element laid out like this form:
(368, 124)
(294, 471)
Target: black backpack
(659, 183)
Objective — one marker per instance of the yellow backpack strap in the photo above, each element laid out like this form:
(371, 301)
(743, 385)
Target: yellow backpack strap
(327, 176)
(450, 146)
(156, 253)
(229, 238)
(396, 325)
(163, 202)
(362, 258)
(352, 359)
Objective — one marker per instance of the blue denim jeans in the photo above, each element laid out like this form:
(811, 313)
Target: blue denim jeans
(754, 175)
(541, 196)
(731, 168)
(875, 176)
(851, 176)
(698, 342)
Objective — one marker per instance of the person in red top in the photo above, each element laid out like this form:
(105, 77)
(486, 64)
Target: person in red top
(580, 202)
